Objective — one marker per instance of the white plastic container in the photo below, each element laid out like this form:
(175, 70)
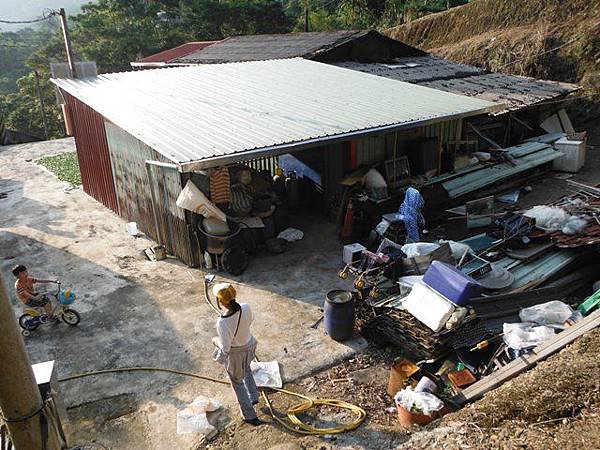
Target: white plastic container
(574, 155)
(132, 228)
(352, 252)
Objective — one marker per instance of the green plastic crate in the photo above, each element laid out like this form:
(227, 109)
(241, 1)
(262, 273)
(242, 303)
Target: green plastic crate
(590, 303)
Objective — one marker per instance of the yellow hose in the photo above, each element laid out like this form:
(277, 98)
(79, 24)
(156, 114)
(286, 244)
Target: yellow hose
(292, 412)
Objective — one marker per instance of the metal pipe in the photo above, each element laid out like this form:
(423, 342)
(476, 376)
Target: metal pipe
(162, 164)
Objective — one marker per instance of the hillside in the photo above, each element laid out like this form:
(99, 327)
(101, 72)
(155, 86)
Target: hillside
(508, 36)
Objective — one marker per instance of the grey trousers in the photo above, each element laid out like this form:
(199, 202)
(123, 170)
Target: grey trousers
(242, 381)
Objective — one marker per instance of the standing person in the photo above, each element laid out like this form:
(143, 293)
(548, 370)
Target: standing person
(25, 290)
(236, 348)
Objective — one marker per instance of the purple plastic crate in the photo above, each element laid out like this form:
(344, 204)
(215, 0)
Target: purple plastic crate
(451, 283)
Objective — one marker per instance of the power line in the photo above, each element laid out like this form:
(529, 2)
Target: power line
(39, 19)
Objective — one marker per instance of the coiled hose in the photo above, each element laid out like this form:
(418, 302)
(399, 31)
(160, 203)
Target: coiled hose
(292, 413)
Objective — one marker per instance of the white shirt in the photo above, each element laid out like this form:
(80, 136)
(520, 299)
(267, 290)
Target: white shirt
(226, 328)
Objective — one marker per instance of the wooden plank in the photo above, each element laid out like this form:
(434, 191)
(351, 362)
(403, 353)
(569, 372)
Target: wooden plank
(523, 363)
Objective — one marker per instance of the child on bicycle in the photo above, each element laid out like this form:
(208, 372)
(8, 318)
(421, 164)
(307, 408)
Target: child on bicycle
(24, 288)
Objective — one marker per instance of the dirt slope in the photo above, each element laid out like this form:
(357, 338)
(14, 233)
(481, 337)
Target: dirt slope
(492, 33)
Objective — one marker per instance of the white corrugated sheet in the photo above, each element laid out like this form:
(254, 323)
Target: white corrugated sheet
(200, 113)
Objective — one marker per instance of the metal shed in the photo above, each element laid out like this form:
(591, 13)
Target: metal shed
(191, 118)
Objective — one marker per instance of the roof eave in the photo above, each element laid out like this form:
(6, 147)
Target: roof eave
(281, 149)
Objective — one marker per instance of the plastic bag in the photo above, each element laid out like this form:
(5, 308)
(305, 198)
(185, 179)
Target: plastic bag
(458, 248)
(482, 156)
(550, 218)
(382, 227)
(291, 235)
(193, 419)
(550, 313)
(406, 283)
(266, 374)
(374, 180)
(419, 249)
(418, 402)
(520, 336)
(574, 225)
(376, 185)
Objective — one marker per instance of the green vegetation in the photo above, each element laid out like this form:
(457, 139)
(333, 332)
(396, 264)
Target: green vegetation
(115, 32)
(64, 165)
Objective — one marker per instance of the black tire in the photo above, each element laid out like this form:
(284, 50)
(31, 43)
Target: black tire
(70, 317)
(235, 260)
(24, 322)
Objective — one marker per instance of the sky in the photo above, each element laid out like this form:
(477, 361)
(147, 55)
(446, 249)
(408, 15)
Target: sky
(31, 9)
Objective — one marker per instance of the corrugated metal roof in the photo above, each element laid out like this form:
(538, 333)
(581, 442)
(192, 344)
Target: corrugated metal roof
(261, 47)
(514, 91)
(167, 55)
(313, 45)
(212, 111)
(416, 69)
(526, 156)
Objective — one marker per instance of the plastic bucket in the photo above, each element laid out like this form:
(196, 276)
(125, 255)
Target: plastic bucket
(338, 315)
(408, 419)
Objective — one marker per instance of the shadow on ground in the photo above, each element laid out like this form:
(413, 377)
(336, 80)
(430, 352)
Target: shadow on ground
(122, 326)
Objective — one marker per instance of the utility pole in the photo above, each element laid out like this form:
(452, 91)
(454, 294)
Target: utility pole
(65, 29)
(306, 15)
(42, 106)
(20, 399)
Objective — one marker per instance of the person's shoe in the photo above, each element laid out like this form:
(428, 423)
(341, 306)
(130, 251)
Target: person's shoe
(254, 422)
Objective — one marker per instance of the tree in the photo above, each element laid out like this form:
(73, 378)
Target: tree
(23, 108)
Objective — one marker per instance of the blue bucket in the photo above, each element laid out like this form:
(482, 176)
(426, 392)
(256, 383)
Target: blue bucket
(63, 299)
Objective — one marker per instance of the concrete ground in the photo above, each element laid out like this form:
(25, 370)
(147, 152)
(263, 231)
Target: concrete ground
(139, 313)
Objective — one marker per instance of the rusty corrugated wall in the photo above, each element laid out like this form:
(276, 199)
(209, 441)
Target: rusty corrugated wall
(370, 150)
(92, 153)
(134, 197)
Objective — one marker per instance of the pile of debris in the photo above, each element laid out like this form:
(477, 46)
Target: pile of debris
(470, 314)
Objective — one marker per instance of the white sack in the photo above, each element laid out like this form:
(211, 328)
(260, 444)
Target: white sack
(193, 199)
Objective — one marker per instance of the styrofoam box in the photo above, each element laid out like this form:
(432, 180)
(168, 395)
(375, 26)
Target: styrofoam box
(428, 306)
(574, 155)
